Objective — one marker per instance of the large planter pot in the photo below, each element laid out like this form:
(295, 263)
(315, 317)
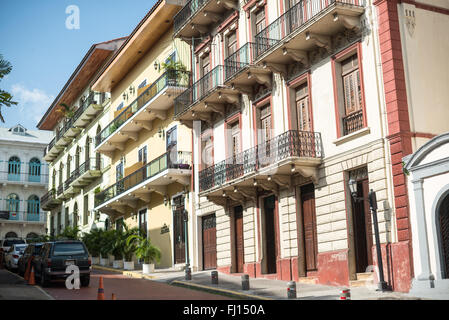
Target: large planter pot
(148, 268)
(117, 264)
(104, 262)
(128, 265)
(95, 260)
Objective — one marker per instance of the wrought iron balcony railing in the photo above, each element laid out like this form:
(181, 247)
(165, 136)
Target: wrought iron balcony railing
(199, 90)
(240, 59)
(90, 164)
(49, 146)
(353, 122)
(186, 13)
(172, 78)
(23, 172)
(92, 98)
(292, 143)
(178, 160)
(293, 19)
(22, 216)
(49, 196)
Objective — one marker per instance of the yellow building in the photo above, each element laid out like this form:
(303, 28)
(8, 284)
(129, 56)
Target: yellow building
(150, 152)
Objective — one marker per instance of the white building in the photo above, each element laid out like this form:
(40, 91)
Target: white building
(23, 180)
(428, 185)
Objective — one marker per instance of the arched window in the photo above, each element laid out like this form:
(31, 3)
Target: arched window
(11, 235)
(34, 172)
(14, 169)
(69, 159)
(53, 180)
(12, 205)
(61, 167)
(31, 236)
(77, 157)
(33, 206)
(87, 150)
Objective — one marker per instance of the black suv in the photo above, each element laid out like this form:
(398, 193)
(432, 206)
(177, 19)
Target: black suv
(56, 256)
(30, 252)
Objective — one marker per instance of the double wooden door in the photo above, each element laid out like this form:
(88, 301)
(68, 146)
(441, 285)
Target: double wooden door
(238, 241)
(209, 242)
(309, 225)
(363, 236)
(179, 235)
(270, 233)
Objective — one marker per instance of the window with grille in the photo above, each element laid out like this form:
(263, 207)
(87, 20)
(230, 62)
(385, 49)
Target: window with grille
(260, 20)
(352, 95)
(205, 65)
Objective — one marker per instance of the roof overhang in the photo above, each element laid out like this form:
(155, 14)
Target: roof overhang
(158, 20)
(81, 77)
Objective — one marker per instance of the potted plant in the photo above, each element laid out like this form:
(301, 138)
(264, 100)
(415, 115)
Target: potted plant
(92, 242)
(105, 246)
(129, 248)
(117, 249)
(70, 233)
(146, 251)
(97, 190)
(176, 72)
(66, 111)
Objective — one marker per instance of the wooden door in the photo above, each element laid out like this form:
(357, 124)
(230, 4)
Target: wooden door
(363, 236)
(209, 242)
(179, 235)
(309, 224)
(239, 244)
(302, 108)
(270, 234)
(143, 222)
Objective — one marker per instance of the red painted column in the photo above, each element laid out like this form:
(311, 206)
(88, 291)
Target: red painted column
(398, 130)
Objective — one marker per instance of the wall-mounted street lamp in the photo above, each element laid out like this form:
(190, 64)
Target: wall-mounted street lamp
(382, 286)
(161, 133)
(157, 65)
(165, 200)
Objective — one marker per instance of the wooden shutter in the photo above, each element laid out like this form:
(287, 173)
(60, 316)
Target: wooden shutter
(235, 134)
(232, 43)
(351, 85)
(265, 122)
(302, 108)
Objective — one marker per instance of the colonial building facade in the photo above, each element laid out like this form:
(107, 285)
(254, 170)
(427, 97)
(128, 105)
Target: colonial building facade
(23, 180)
(290, 100)
(150, 153)
(76, 171)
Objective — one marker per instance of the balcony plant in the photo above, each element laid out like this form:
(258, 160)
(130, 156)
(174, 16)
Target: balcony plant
(176, 72)
(66, 111)
(146, 251)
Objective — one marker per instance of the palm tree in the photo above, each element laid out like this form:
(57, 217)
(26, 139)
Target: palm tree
(5, 97)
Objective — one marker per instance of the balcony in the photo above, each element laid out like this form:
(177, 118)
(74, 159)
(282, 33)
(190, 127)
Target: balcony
(72, 126)
(207, 95)
(7, 216)
(196, 17)
(269, 165)
(135, 189)
(353, 122)
(89, 109)
(307, 25)
(49, 200)
(242, 73)
(151, 104)
(26, 173)
(83, 176)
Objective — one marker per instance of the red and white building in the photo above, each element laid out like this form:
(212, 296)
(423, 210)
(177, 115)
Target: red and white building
(291, 99)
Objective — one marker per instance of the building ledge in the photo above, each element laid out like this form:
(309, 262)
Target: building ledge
(352, 136)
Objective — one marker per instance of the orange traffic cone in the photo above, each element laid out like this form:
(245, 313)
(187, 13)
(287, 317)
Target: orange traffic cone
(100, 295)
(31, 280)
(113, 297)
(27, 271)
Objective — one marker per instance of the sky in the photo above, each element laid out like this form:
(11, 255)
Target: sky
(35, 39)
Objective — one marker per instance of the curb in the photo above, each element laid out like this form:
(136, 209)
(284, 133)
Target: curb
(218, 290)
(127, 273)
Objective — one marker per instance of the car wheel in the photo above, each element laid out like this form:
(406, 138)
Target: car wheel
(85, 281)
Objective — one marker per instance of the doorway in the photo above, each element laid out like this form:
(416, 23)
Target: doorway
(270, 232)
(444, 236)
(209, 242)
(362, 226)
(238, 239)
(143, 222)
(309, 227)
(178, 232)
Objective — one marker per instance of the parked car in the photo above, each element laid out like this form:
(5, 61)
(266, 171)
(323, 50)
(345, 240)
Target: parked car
(5, 244)
(13, 254)
(55, 256)
(31, 251)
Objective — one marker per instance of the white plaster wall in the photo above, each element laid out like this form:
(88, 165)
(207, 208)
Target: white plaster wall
(426, 68)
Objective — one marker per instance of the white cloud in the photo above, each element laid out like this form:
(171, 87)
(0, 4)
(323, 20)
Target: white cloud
(32, 102)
